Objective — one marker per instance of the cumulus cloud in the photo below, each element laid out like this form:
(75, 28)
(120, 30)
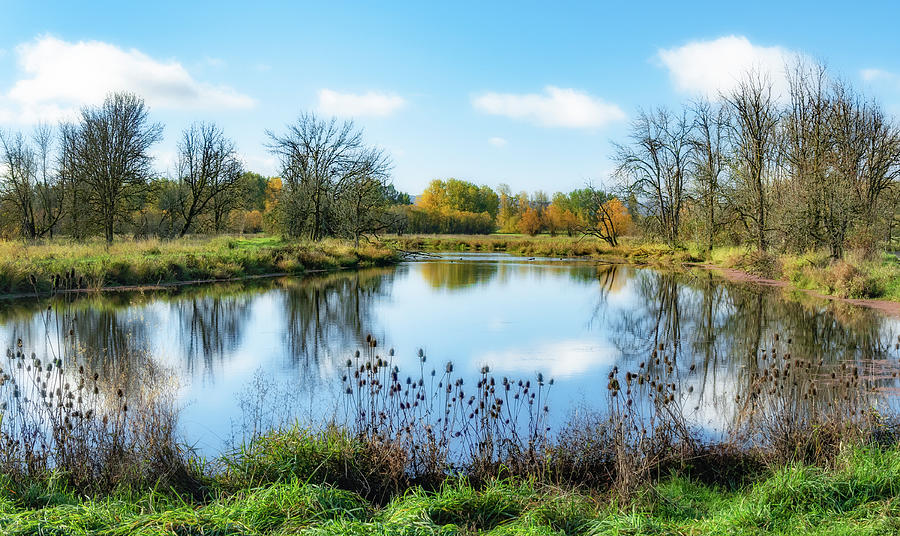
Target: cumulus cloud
(711, 68)
(556, 107)
(370, 104)
(57, 77)
(497, 142)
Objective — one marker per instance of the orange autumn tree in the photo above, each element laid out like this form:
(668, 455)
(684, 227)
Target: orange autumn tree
(530, 222)
(561, 216)
(605, 216)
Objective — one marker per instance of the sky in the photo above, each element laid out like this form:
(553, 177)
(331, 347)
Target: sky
(527, 94)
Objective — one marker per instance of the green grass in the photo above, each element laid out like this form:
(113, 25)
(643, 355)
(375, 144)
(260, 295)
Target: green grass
(26, 267)
(858, 493)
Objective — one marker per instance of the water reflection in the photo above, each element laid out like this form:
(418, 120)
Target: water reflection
(570, 320)
(331, 313)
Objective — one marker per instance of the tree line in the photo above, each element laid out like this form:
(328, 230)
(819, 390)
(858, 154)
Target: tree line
(457, 206)
(816, 168)
(94, 177)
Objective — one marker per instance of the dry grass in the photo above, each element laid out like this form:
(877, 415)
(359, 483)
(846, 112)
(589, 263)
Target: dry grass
(46, 266)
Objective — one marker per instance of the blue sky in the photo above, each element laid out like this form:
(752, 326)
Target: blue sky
(530, 94)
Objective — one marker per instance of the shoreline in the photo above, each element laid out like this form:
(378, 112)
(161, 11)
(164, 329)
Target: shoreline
(888, 307)
(640, 254)
(67, 268)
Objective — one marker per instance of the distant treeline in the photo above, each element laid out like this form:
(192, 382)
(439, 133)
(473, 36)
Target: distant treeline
(457, 206)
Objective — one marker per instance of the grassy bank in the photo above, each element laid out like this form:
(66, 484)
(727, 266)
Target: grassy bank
(852, 277)
(93, 265)
(859, 493)
(545, 246)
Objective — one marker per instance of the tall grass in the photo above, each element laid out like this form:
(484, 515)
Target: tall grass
(39, 267)
(95, 426)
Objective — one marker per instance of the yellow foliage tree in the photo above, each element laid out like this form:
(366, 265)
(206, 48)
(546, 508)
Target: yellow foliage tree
(620, 219)
(274, 187)
(561, 219)
(609, 221)
(530, 223)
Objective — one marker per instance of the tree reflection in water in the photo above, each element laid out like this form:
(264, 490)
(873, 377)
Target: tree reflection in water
(575, 318)
(713, 331)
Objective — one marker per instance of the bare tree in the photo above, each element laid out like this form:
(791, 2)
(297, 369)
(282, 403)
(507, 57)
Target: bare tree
(319, 160)
(881, 158)
(754, 143)
(362, 203)
(49, 191)
(709, 161)
(75, 190)
(109, 154)
(208, 167)
(654, 167)
(807, 140)
(845, 165)
(17, 184)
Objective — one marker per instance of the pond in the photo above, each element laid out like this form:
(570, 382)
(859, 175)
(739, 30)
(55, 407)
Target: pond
(272, 350)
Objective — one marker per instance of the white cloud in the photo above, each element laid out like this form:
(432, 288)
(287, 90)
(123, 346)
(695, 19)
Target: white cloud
(372, 103)
(570, 358)
(556, 107)
(58, 77)
(263, 164)
(497, 142)
(714, 67)
(880, 76)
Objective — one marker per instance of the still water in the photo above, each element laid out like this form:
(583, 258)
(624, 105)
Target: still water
(273, 350)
